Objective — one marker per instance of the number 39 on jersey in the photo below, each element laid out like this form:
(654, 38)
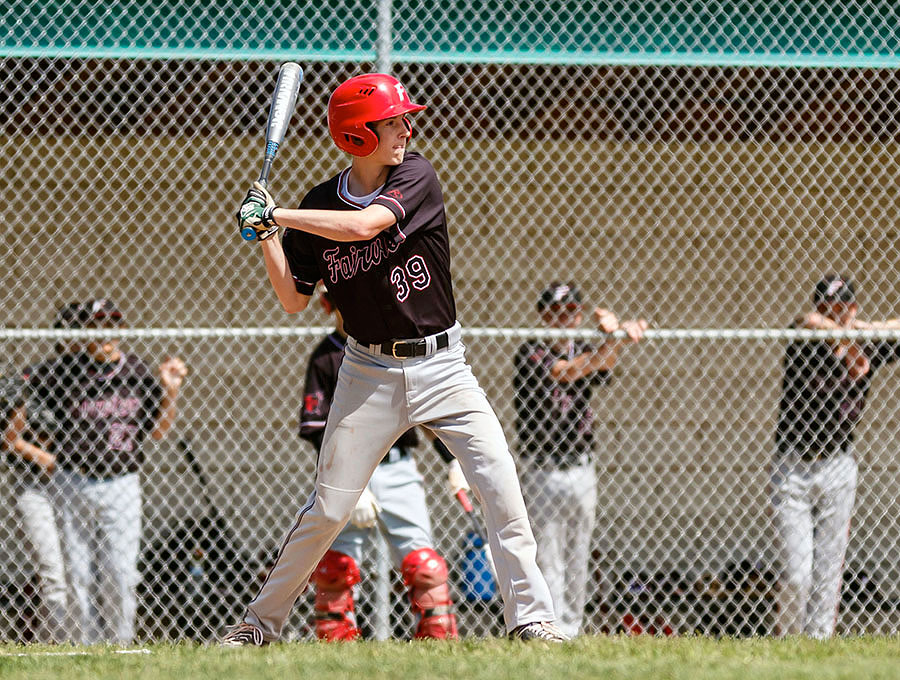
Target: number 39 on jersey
(413, 274)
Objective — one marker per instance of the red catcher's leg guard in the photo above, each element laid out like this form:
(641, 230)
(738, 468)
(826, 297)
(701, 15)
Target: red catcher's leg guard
(425, 575)
(334, 578)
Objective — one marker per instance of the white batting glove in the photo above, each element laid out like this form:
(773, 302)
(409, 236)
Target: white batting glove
(456, 480)
(366, 511)
(256, 213)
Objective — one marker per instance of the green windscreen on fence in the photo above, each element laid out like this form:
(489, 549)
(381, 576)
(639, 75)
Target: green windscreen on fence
(813, 33)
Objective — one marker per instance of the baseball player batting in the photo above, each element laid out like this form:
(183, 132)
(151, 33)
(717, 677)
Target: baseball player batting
(376, 234)
(814, 469)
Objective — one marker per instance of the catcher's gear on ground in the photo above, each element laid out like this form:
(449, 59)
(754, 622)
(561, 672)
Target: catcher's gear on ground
(361, 100)
(256, 213)
(334, 578)
(366, 511)
(425, 574)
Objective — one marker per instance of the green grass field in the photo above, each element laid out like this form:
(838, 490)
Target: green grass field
(588, 657)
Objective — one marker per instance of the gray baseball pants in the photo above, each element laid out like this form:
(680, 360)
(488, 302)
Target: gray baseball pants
(562, 504)
(101, 536)
(812, 503)
(377, 399)
(35, 504)
(403, 520)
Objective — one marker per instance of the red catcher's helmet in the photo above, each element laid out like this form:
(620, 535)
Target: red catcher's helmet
(365, 99)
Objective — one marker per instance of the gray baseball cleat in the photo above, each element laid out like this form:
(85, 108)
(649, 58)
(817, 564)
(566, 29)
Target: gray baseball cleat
(539, 630)
(243, 635)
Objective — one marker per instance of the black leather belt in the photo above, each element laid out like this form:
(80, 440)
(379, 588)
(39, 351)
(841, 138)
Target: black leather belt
(406, 349)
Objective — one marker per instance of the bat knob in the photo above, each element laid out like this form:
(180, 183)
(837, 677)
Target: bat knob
(248, 234)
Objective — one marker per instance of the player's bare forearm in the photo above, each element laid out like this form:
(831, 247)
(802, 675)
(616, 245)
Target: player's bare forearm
(602, 359)
(13, 441)
(280, 277)
(888, 325)
(167, 413)
(337, 225)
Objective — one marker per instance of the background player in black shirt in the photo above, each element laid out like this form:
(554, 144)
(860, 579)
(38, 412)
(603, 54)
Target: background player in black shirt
(34, 499)
(814, 471)
(376, 234)
(104, 403)
(393, 503)
(553, 384)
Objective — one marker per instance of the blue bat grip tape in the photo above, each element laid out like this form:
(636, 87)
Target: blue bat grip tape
(271, 148)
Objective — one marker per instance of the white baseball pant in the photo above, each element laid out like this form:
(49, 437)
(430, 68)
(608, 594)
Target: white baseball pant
(403, 519)
(101, 536)
(377, 399)
(562, 504)
(812, 503)
(35, 504)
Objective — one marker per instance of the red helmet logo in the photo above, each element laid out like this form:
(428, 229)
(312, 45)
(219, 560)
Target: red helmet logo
(365, 99)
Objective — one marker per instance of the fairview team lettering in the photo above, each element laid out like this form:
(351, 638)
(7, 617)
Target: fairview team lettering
(114, 406)
(346, 266)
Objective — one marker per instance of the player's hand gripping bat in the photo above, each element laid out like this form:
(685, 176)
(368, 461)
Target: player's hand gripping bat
(290, 75)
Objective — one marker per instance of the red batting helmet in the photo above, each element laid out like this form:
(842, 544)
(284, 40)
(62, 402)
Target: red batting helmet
(361, 100)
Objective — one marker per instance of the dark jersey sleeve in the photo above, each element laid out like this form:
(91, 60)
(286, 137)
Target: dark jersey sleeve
(301, 261)
(317, 393)
(533, 364)
(406, 193)
(12, 394)
(299, 253)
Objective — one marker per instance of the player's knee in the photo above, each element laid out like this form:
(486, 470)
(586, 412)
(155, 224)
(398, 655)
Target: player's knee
(334, 578)
(425, 575)
(334, 507)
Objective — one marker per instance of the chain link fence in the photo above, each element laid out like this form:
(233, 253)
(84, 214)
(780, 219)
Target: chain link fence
(699, 170)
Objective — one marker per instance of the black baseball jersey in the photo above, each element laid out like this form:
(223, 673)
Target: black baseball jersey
(820, 403)
(396, 285)
(318, 392)
(554, 420)
(101, 411)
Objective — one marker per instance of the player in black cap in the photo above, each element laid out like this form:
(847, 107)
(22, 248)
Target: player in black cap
(814, 471)
(103, 403)
(553, 384)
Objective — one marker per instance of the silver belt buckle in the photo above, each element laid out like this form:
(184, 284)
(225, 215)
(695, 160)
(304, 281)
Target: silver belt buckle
(394, 349)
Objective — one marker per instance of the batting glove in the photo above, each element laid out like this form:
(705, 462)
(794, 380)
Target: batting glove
(366, 511)
(256, 213)
(456, 480)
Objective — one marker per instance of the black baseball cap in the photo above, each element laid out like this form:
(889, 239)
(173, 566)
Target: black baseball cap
(559, 293)
(80, 314)
(834, 288)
